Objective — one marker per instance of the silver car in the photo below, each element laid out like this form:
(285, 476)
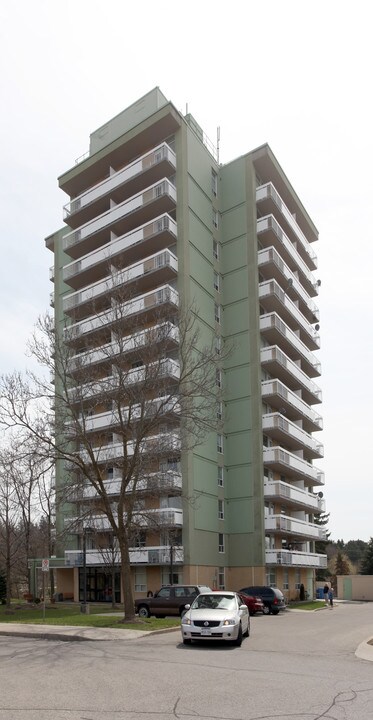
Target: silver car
(216, 615)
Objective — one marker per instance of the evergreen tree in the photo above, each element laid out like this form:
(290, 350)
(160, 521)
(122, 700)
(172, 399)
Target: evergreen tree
(367, 561)
(342, 565)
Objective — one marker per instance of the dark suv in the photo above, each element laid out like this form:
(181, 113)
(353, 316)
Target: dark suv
(273, 599)
(169, 600)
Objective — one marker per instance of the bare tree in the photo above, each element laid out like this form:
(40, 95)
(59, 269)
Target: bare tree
(125, 395)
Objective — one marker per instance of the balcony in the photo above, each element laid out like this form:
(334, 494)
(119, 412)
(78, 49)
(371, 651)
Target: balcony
(152, 555)
(271, 234)
(110, 420)
(120, 219)
(285, 525)
(154, 445)
(276, 332)
(149, 238)
(295, 559)
(166, 334)
(272, 298)
(272, 267)
(293, 496)
(152, 518)
(148, 307)
(154, 483)
(286, 433)
(274, 361)
(270, 202)
(155, 270)
(146, 170)
(294, 467)
(281, 398)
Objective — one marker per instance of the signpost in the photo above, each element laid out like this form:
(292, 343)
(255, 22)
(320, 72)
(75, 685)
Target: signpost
(45, 569)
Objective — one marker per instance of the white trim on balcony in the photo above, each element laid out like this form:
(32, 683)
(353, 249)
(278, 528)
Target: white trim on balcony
(271, 290)
(138, 166)
(295, 466)
(275, 424)
(140, 304)
(269, 222)
(108, 252)
(269, 191)
(149, 555)
(284, 491)
(120, 211)
(284, 524)
(271, 323)
(295, 559)
(158, 481)
(168, 516)
(270, 256)
(273, 354)
(271, 388)
(161, 443)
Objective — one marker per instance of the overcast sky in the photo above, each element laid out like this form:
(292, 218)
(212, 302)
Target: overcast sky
(293, 73)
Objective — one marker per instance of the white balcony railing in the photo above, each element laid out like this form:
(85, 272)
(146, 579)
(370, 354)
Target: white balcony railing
(277, 422)
(146, 518)
(118, 212)
(272, 322)
(155, 555)
(270, 255)
(154, 444)
(143, 163)
(271, 288)
(164, 294)
(274, 354)
(269, 191)
(300, 528)
(295, 559)
(275, 387)
(284, 491)
(269, 222)
(294, 465)
(153, 482)
(115, 281)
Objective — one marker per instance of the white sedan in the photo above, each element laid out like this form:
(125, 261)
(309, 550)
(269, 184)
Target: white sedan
(216, 615)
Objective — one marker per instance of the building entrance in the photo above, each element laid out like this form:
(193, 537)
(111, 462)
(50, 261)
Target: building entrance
(99, 585)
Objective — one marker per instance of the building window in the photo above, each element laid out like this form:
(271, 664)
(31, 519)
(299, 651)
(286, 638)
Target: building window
(297, 579)
(218, 378)
(219, 443)
(220, 476)
(219, 411)
(140, 580)
(221, 509)
(217, 313)
(214, 182)
(221, 578)
(217, 281)
(221, 543)
(218, 345)
(271, 577)
(285, 584)
(215, 218)
(140, 539)
(215, 249)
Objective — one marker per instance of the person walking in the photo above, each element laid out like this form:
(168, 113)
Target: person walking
(326, 594)
(330, 597)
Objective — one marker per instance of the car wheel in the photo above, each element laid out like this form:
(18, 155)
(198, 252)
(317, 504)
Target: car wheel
(266, 610)
(238, 640)
(274, 612)
(187, 641)
(144, 611)
(247, 632)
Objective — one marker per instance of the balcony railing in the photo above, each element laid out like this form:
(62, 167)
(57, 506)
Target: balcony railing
(272, 356)
(295, 559)
(272, 326)
(154, 445)
(114, 181)
(155, 483)
(170, 517)
(281, 272)
(155, 555)
(113, 282)
(269, 191)
(278, 426)
(295, 467)
(269, 223)
(281, 396)
(98, 261)
(119, 212)
(139, 305)
(272, 296)
(284, 524)
(285, 492)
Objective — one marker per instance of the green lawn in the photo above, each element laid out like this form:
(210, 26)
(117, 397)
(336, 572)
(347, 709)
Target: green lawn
(308, 605)
(69, 614)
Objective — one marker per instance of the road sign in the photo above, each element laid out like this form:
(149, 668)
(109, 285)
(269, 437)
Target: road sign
(45, 565)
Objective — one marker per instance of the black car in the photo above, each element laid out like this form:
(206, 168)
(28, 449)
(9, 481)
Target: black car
(169, 600)
(273, 599)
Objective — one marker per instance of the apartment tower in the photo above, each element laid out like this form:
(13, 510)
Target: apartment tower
(234, 240)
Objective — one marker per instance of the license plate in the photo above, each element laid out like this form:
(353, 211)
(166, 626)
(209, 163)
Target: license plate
(205, 632)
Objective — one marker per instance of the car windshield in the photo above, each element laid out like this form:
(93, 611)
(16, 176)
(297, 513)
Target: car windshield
(214, 602)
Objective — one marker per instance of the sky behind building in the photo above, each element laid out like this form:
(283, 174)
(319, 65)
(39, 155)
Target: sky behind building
(294, 74)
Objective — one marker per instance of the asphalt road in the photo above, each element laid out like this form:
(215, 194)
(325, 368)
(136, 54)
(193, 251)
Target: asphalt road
(296, 666)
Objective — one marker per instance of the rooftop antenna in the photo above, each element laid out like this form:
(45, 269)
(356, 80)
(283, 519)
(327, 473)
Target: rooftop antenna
(217, 143)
